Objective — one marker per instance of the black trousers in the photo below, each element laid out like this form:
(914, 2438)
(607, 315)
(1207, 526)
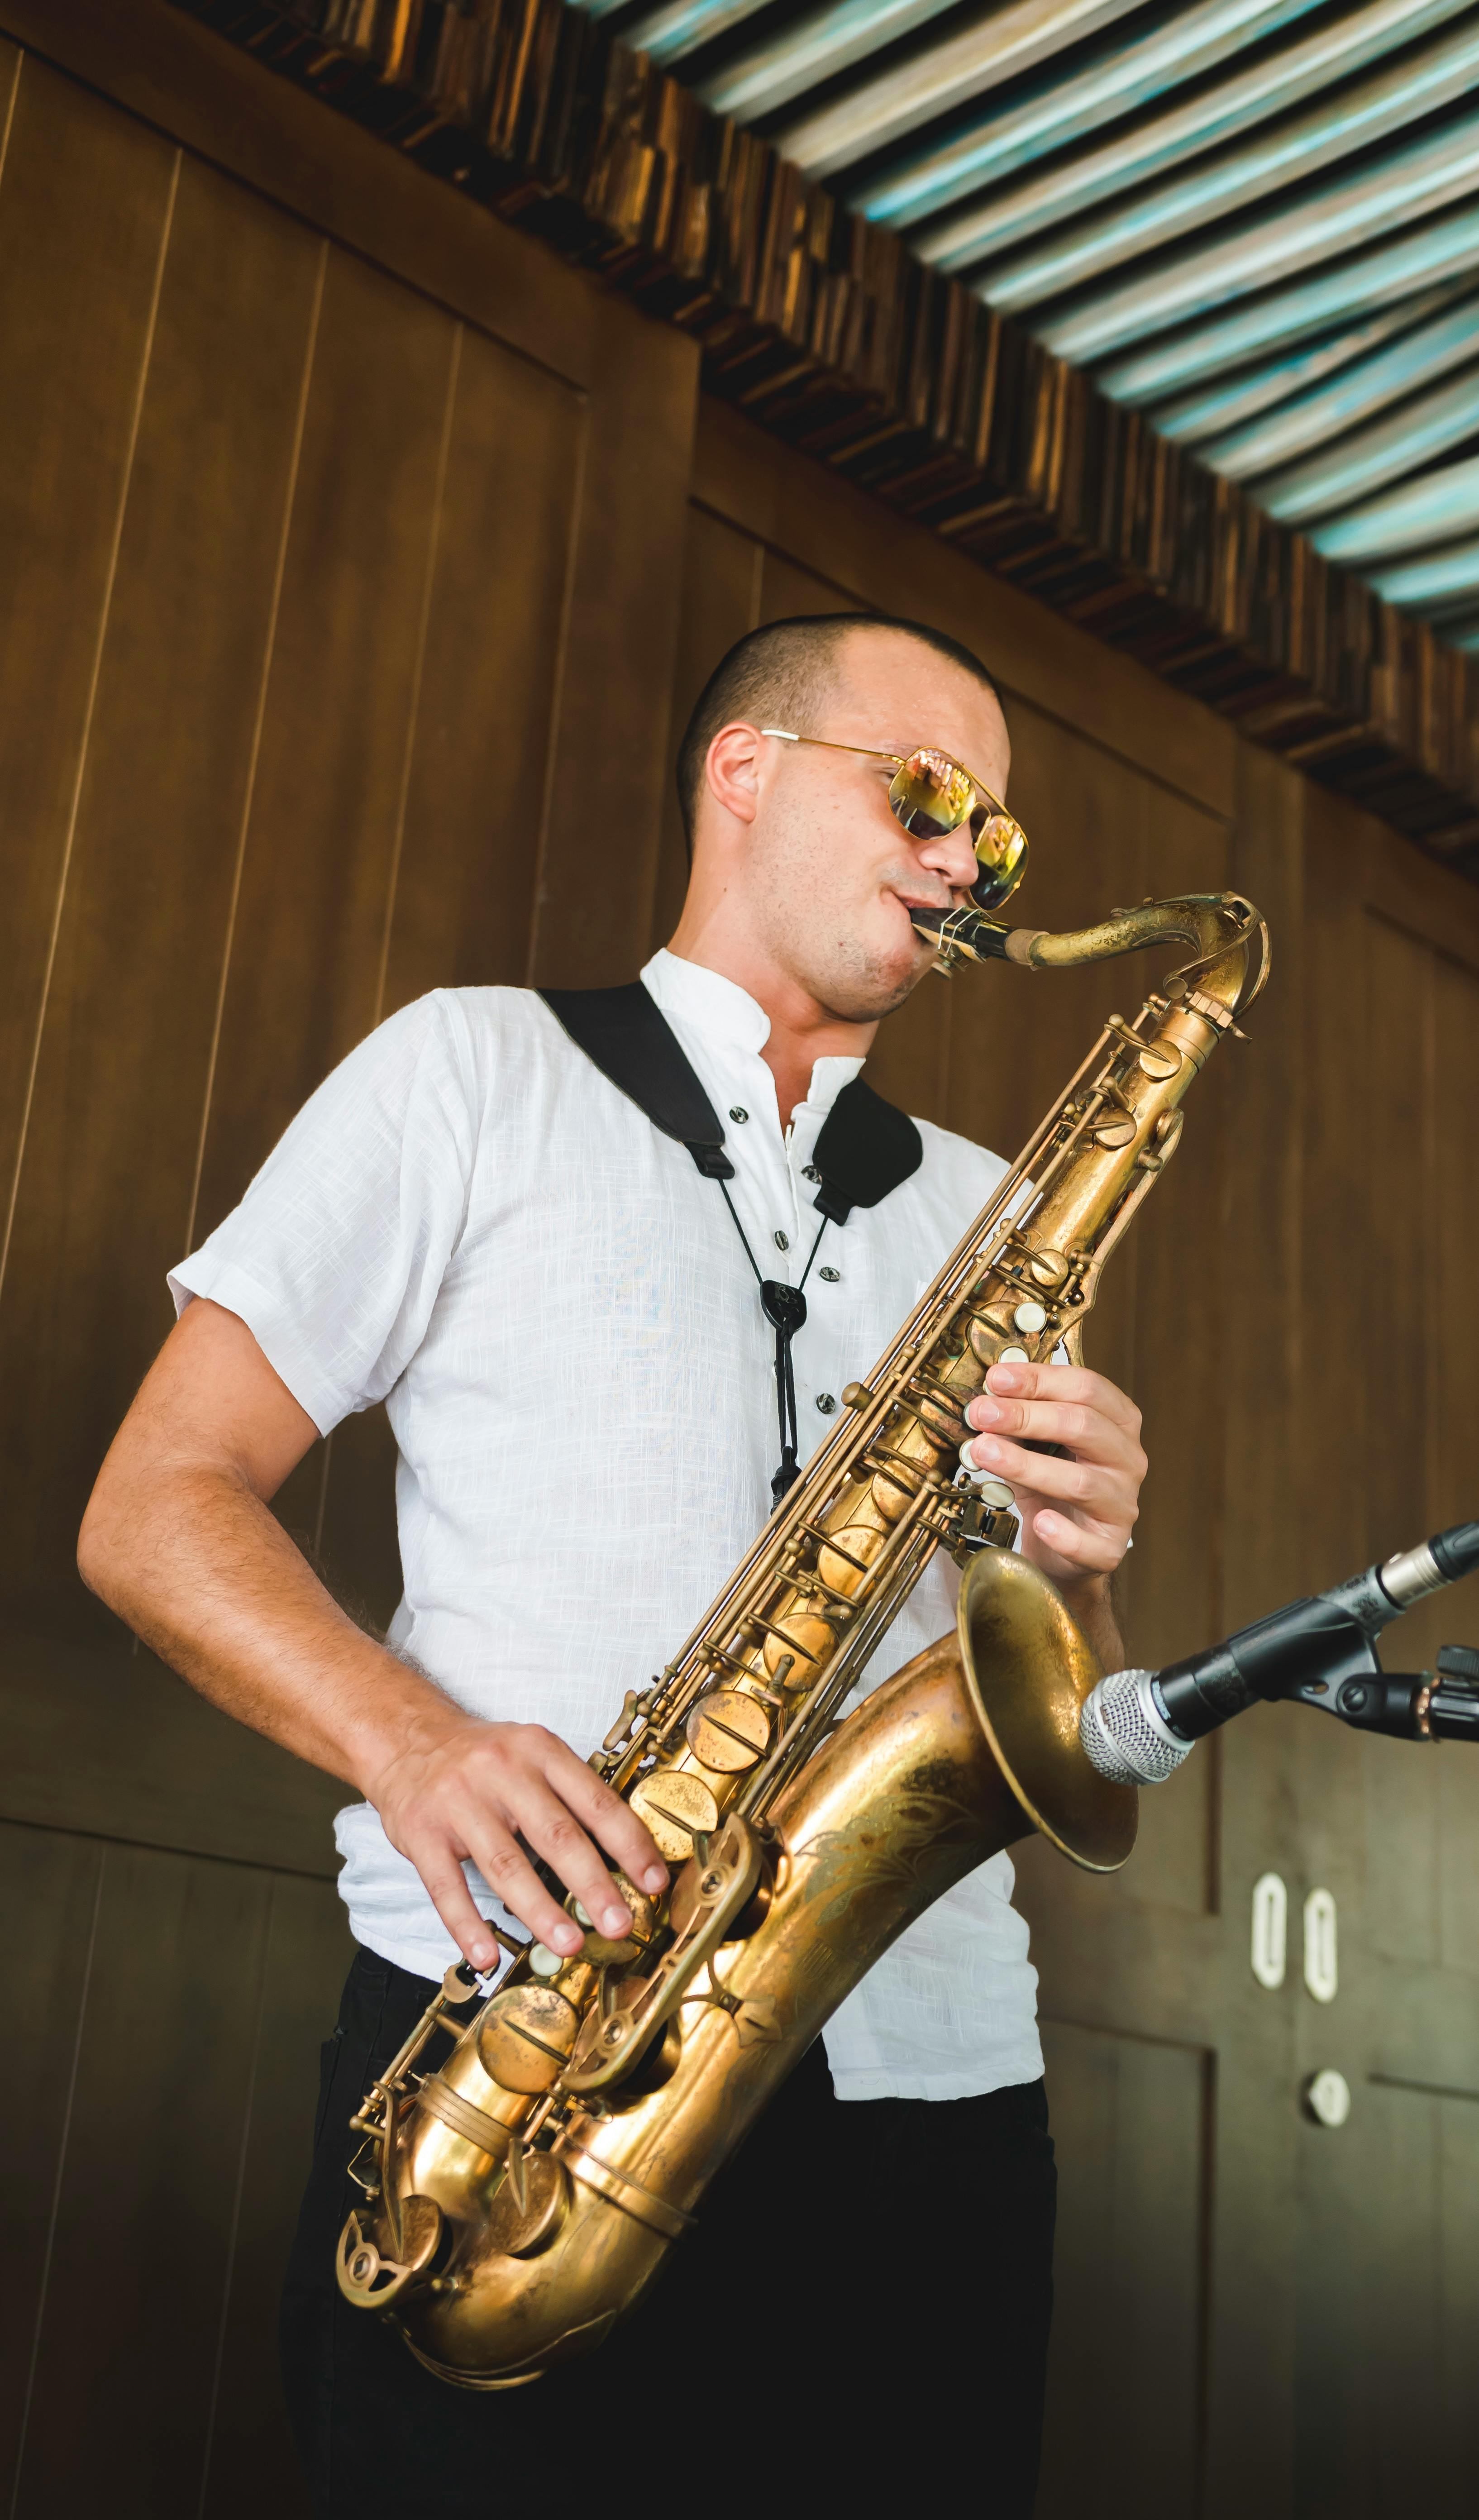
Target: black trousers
(862, 2311)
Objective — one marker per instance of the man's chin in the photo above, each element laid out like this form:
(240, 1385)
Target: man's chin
(877, 983)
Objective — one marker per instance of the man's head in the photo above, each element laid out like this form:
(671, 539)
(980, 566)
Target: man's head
(801, 875)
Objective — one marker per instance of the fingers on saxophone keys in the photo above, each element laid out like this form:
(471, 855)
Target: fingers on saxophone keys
(446, 1886)
(1042, 1474)
(611, 1821)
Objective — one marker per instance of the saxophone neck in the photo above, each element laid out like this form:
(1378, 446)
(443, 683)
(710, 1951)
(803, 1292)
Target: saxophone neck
(1227, 938)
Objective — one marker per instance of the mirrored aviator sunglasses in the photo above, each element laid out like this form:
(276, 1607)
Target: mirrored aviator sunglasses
(932, 794)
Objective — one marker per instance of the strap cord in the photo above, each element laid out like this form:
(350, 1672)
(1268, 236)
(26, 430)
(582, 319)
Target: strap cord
(784, 1308)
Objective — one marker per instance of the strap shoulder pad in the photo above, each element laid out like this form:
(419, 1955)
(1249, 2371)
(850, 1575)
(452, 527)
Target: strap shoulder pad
(626, 1035)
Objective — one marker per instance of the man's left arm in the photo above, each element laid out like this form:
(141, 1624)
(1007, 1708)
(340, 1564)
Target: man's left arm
(1077, 1513)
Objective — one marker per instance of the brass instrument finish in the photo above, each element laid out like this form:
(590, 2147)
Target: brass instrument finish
(520, 2198)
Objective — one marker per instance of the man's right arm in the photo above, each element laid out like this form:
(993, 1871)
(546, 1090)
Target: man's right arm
(178, 1540)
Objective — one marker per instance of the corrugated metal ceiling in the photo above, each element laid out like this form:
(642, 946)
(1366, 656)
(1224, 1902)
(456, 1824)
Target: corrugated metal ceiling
(1257, 221)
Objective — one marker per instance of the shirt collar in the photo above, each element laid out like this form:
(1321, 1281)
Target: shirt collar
(723, 1014)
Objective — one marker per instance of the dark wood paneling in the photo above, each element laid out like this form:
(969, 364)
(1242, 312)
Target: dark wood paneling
(146, 2201)
(478, 766)
(720, 603)
(1123, 2427)
(100, 1737)
(251, 2466)
(145, 919)
(319, 846)
(598, 854)
(49, 1887)
(154, 62)
(84, 197)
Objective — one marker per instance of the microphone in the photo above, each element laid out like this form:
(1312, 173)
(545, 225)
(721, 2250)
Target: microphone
(1137, 1726)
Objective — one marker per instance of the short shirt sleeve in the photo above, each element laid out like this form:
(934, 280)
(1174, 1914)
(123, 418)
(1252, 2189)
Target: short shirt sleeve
(334, 1257)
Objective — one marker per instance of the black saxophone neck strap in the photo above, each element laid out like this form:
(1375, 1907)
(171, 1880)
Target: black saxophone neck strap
(864, 1149)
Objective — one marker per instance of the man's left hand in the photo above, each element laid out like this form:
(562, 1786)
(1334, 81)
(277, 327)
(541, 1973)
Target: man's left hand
(1077, 1515)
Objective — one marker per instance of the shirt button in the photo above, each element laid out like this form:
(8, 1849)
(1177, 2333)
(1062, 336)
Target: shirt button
(809, 1172)
(738, 1111)
(781, 1240)
(825, 1403)
(833, 1276)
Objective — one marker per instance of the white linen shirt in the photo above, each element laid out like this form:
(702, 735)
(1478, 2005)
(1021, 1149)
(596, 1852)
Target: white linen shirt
(470, 1222)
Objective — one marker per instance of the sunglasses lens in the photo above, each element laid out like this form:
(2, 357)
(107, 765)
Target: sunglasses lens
(1001, 847)
(932, 794)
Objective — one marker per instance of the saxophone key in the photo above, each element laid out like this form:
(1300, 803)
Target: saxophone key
(728, 1730)
(526, 2037)
(677, 1807)
(525, 2213)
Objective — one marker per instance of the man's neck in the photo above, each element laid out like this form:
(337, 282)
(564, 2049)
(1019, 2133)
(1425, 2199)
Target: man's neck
(801, 1032)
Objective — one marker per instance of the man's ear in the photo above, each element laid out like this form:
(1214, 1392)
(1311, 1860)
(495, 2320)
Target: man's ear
(733, 768)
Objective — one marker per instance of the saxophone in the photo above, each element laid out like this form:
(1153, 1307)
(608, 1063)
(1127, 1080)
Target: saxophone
(522, 2194)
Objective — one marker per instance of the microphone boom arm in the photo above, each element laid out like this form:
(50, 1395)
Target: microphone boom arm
(1319, 1651)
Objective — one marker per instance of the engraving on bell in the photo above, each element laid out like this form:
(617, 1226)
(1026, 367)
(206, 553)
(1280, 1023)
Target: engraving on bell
(728, 1730)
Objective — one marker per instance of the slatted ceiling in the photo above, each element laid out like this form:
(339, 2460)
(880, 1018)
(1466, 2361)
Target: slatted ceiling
(1384, 274)
(1254, 221)
(1364, 385)
(936, 78)
(1439, 74)
(1143, 67)
(1453, 574)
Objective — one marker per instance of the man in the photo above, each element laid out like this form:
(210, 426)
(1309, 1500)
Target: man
(471, 1223)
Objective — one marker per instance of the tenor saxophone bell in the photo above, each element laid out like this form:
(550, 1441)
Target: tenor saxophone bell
(521, 2195)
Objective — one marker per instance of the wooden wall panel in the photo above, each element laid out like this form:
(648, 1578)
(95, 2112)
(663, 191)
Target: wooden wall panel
(146, 2197)
(321, 842)
(1130, 2318)
(248, 2452)
(608, 771)
(49, 1890)
(720, 602)
(149, 887)
(310, 596)
(84, 199)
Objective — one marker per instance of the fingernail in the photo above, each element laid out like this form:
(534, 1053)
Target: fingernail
(984, 1413)
(655, 1878)
(1005, 1377)
(988, 1448)
(568, 1938)
(614, 1923)
(482, 1956)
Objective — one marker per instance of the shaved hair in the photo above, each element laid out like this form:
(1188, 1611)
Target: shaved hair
(782, 676)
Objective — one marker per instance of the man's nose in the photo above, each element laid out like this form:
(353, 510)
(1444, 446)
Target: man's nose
(953, 857)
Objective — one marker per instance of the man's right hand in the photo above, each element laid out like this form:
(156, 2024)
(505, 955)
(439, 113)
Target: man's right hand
(462, 1791)
(178, 1540)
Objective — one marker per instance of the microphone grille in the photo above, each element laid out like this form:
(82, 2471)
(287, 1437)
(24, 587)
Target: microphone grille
(1124, 1733)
